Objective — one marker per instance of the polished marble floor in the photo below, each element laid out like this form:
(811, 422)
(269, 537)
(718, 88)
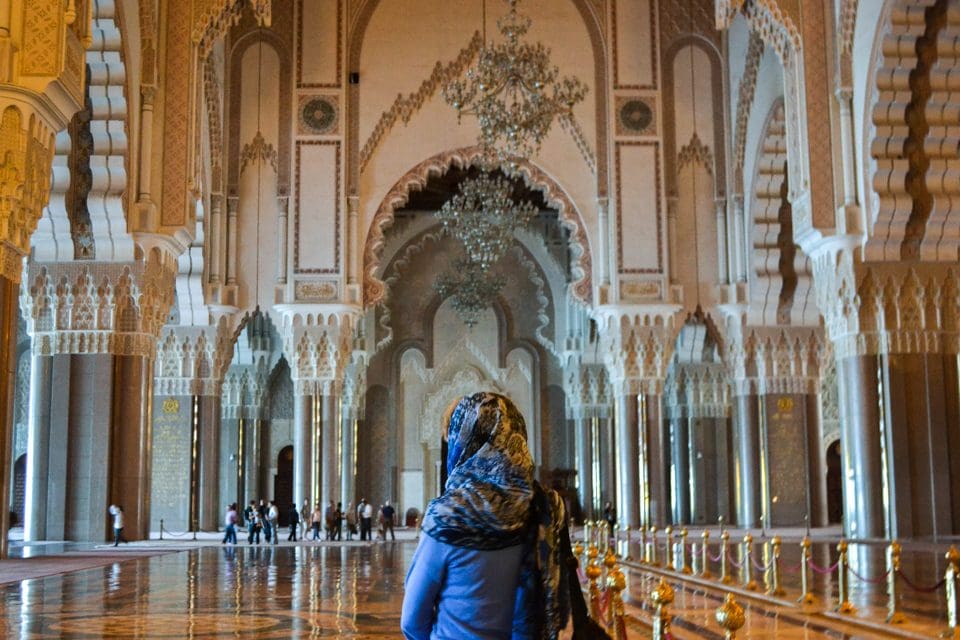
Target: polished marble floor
(307, 590)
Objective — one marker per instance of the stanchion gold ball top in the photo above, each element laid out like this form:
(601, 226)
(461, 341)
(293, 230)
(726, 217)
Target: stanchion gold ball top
(705, 534)
(842, 546)
(592, 552)
(593, 570)
(662, 594)
(610, 559)
(724, 535)
(578, 548)
(776, 541)
(952, 555)
(668, 530)
(616, 580)
(683, 532)
(748, 538)
(730, 615)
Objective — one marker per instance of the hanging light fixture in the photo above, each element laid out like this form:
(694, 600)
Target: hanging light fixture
(483, 217)
(471, 288)
(515, 92)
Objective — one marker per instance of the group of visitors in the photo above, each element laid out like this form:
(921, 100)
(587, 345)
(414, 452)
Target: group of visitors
(264, 518)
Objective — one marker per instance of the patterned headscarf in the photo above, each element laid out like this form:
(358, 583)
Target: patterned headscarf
(486, 501)
(490, 501)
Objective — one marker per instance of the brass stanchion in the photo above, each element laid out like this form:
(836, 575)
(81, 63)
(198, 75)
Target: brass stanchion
(616, 583)
(684, 565)
(643, 546)
(746, 569)
(724, 558)
(578, 549)
(670, 558)
(610, 562)
(627, 554)
(843, 581)
(893, 567)
(952, 578)
(705, 555)
(661, 597)
(652, 556)
(776, 589)
(807, 599)
(730, 616)
(593, 572)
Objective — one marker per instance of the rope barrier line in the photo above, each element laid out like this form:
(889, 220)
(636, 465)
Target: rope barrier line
(793, 568)
(917, 587)
(715, 559)
(736, 565)
(760, 567)
(172, 533)
(878, 580)
(821, 570)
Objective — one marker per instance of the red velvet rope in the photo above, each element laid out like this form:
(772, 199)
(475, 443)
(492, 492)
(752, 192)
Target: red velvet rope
(917, 587)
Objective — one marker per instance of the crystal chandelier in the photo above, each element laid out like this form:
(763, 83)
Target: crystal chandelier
(483, 217)
(514, 92)
(471, 288)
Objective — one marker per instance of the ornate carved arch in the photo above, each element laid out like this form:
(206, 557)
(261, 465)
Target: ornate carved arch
(415, 179)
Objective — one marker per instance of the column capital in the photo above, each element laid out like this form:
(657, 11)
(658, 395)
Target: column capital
(95, 307)
(782, 359)
(192, 360)
(637, 342)
(320, 341)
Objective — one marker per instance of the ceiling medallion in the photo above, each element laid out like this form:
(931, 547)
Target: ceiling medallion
(514, 91)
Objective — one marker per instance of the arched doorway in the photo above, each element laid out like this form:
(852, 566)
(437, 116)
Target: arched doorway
(834, 484)
(283, 484)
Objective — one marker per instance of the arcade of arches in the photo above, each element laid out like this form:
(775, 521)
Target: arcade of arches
(739, 296)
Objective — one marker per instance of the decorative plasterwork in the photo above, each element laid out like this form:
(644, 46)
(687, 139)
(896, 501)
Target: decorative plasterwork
(336, 209)
(659, 206)
(405, 106)
(258, 150)
(318, 340)
(215, 17)
(339, 69)
(98, 308)
(689, 17)
(588, 390)
(416, 178)
(592, 12)
(653, 47)
(26, 155)
(695, 152)
(888, 308)
(697, 391)
(637, 342)
(745, 94)
(763, 360)
(192, 360)
(212, 90)
(569, 124)
(318, 114)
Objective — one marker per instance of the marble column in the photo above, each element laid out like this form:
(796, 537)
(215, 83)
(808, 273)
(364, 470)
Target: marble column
(330, 449)
(860, 443)
(680, 456)
(130, 442)
(628, 458)
(210, 498)
(584, 466)
(348, 458)
(9, 293)
(252, 426)
(38, 449)
(816, 465)
(747, 460)
(703, 461)
(608, 464)
(303, 450)
(657, 448)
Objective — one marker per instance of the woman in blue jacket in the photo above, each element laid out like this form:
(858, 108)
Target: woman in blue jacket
(488, 565)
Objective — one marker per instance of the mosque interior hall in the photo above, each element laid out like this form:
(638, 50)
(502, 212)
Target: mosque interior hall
(252, 250)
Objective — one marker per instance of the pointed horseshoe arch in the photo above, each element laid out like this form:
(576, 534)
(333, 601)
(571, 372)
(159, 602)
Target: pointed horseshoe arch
(374, 289)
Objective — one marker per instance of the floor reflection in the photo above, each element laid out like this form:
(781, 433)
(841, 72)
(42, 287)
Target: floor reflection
(280, 592)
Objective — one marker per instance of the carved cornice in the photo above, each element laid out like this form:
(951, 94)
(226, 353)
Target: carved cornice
(416, 179)
(763, 360)
(98, 308)
(318, 341)
(637, 343)
(192, 360)
(697, 391)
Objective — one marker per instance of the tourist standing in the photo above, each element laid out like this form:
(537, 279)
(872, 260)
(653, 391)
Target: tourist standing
(329, 518)
(351, 521)
(294, 516)
(264, 523)
(338, 525)
(367, 522)
(304, 519)
(250, 517)
(315, 519)
(273, 517)
(388, 514)
(116, 511)
(230, 525)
